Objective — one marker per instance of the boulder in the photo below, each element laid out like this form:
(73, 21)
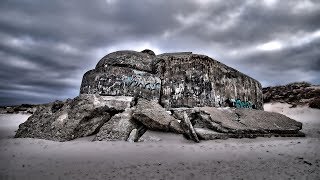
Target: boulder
(73, 118)
(155, 117)
(10, 110)
(119, 127)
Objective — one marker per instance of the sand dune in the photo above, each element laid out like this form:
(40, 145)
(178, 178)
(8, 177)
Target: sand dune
(173, 157)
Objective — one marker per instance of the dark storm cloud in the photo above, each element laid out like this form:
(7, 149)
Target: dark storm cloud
(299, 63)
(46, 46)
(237, 24)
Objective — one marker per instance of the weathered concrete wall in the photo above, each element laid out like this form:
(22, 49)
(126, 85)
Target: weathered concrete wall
(121, 81)
(191, 80)
(175, 79)
(131, 59)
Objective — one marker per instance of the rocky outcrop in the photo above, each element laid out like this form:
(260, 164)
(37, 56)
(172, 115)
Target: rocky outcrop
(155, 117)
(315, 103)
(173, 79)
(73, 118)
(23, 108)
(299, 93)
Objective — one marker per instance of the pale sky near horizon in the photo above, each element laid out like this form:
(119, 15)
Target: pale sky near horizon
(46, 46)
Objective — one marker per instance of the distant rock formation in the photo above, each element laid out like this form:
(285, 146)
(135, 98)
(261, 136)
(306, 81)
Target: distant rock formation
(23, 108)
(131, 92)
(173, 79)
(298, 93)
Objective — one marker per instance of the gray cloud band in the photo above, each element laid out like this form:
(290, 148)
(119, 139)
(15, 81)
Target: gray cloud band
(47, 45)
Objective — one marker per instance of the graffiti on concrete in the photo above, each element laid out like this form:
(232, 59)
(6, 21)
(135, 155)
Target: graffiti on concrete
(149, 83)
(114, 85)
(240, 104)
(177, 91)
(109, 85)
(196, 90)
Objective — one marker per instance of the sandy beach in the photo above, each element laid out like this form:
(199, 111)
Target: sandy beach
(173, 157)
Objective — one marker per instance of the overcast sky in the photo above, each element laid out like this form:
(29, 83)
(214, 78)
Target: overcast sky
(46, 46)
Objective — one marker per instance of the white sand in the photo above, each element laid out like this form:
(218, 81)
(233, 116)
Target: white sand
(171, 158)
(308, 116)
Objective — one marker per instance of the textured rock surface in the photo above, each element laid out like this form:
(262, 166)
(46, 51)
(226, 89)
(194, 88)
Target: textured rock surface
(63, 121)
(177, 79)
(118, 127)
(23, 108)
(155, 117)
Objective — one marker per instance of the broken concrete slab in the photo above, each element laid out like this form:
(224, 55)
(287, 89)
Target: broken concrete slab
(242, 121)
(188, 128)
(133, 135)
(238, 123)
(136, 134)
(118, 127)
(207, 134)
(71, 119)
(155, 117)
